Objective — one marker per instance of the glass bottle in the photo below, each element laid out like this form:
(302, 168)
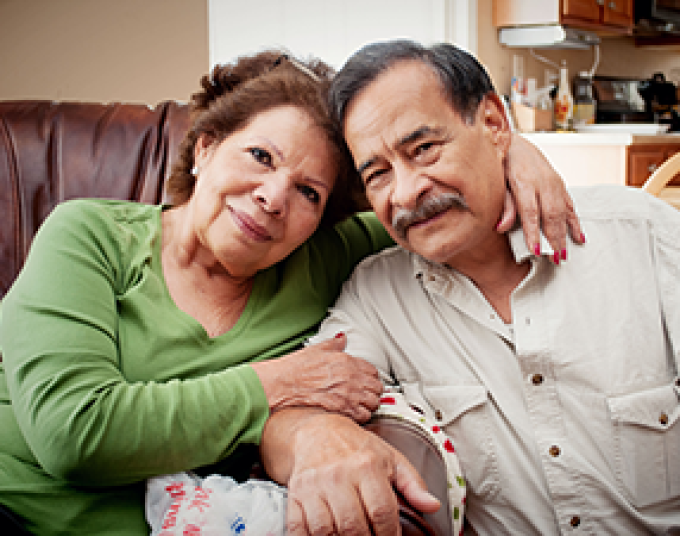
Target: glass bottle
(564, 102)
(584, 103)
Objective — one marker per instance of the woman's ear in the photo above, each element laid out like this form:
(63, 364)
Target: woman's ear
(202, 150)
(496, 123)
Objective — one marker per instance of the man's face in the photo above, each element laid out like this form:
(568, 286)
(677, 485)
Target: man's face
(435, 182)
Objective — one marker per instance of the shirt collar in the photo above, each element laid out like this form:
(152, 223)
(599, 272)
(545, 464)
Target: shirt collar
(423, 267)
(521, 250)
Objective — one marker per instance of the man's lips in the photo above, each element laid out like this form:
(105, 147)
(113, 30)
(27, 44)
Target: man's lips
(424, 221)
(249, 226)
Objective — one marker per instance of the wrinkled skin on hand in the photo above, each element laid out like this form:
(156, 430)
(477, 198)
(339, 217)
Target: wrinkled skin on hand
(341, 478)
(323, 376)
(540, 198)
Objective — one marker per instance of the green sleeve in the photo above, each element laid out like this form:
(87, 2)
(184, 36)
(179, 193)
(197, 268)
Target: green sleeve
(82, 418)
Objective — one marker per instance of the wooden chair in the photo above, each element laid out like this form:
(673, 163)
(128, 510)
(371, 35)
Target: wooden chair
(658, 181)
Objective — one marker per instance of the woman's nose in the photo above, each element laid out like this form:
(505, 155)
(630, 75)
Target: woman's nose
(272, 196)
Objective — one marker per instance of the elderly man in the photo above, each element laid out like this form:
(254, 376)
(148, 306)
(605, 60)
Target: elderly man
(559, 386)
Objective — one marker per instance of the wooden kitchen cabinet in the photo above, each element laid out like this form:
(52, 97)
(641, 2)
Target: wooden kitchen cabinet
(617, 13)
(644, 159)
(612, 158)
(599, 15)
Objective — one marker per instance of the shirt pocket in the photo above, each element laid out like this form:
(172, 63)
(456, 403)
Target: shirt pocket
(647, 444)
(464, 413)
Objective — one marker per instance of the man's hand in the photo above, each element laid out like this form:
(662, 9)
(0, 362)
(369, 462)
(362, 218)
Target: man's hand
(341, 478)
(540, 197)
(322, 375)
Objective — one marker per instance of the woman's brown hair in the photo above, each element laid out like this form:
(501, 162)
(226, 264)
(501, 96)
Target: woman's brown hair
(233, 94)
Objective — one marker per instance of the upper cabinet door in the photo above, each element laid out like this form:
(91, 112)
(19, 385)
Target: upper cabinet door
(581, 9)
(618, 12)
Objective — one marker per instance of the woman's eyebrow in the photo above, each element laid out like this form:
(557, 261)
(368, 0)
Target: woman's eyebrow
(272, 146)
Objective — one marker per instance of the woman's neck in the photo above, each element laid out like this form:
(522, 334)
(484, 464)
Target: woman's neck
(197, 283)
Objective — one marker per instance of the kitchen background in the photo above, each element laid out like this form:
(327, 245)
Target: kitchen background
(157, 49)
(132, 51)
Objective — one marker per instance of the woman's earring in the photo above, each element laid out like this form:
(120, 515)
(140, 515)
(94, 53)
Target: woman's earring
(195, 171)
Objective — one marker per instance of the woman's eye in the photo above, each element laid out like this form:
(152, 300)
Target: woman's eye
(310, 193)
(261, 155)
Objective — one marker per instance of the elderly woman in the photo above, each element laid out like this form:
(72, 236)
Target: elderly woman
(139, 340)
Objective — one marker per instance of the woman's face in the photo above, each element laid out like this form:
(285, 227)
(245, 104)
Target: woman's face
(262, 191)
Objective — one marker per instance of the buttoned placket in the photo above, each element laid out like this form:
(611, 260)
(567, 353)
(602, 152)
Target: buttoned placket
(532, 325)
(529, 335)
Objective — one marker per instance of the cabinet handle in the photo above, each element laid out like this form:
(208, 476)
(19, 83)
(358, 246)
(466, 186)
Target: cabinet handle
(612, 5)
(600, 2)
(652, 167)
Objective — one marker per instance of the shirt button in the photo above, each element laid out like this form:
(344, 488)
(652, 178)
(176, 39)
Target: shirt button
(663, 419)
(537, 379)
(438, 414)
(527, 320)
(575, 521)
(554, 451)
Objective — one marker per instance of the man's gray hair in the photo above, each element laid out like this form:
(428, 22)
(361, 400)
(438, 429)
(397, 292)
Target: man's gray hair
(464, 81)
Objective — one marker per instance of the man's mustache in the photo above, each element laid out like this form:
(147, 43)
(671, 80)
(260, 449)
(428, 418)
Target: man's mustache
(428, 208)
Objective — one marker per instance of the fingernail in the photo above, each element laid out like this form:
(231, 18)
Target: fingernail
(556, 257)
(564, 254)
(339, 335)
(537, 249)
(583, 238)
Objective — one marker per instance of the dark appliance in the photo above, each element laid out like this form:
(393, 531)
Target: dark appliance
(631, 100)
(661, 98)
(657, 15)
(618, 101)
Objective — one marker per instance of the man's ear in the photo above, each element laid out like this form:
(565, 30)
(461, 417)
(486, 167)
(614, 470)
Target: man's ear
(496, 122)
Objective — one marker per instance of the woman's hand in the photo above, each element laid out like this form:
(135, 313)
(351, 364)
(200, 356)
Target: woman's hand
(540, 197)
(323, 376)
(341, 478)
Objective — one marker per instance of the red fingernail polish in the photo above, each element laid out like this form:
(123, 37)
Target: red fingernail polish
(583, 238)
(537, 249)
(564, 254)
(556, 257)
(339, 335)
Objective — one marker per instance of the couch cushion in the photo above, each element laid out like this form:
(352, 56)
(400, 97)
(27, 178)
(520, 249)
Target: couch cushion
(53, 151)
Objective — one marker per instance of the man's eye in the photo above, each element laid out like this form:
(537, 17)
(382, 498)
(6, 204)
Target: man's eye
(310, 193)
(261, 155)
(373, 176)
(423, 148)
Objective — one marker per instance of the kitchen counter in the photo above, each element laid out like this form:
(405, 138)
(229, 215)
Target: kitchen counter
(613, 158)
(614, 138)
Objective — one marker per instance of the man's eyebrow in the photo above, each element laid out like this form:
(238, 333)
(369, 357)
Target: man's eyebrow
(417, 134)
(366, 165)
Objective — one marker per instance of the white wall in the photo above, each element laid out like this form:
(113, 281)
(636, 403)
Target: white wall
(333, 29)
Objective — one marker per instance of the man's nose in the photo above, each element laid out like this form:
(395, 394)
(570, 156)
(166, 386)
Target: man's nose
(409, 186)
(272, 194)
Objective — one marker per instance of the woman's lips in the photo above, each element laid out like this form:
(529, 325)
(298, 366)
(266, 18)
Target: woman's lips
(249, 227)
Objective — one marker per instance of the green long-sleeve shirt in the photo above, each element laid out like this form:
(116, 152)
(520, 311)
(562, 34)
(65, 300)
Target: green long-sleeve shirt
(105, 382)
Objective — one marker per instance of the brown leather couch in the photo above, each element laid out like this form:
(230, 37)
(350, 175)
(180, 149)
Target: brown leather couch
(54, 151)
(51, 151)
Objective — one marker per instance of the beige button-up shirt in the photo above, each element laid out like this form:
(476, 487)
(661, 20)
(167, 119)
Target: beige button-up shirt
(566, 421)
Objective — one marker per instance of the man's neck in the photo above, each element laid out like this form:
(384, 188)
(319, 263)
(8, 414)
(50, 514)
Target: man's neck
(494, 272)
